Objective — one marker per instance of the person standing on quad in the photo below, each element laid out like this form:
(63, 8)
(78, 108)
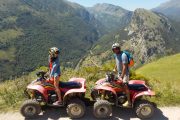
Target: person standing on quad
(55, 72)
(122, 69)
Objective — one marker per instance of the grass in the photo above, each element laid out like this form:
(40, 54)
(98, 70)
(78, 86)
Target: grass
(164, 76)
(11, 94)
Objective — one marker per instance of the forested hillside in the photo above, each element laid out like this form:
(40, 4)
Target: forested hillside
(28, 28)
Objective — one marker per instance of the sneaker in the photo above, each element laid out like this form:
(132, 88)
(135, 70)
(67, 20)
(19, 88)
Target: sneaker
(57, 103)
(127, 105)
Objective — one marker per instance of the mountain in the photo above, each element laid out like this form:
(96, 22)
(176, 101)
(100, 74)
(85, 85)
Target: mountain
(28, 28)
(170, 9)
(148, 36)
(111, 16)
(151, 35)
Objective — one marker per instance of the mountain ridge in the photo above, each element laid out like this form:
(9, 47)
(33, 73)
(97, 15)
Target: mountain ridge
(170, 8)
(111, 16)
(148, 36)
(151, 35)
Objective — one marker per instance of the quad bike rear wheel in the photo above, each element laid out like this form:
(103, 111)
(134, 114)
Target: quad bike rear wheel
(102, 109)
(76, 109)
(30, 109)
(144, 109)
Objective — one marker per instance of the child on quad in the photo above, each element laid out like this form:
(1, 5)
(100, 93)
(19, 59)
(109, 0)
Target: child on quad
(55, 72)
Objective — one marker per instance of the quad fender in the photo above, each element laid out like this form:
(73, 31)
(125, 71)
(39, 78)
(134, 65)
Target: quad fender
(80, 80)
(136, 82)
(144, 93)
(81, 90)
(106, 88)
(100, 81)
(40, 89)
(72, 92)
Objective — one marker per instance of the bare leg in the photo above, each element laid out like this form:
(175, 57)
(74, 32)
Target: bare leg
(128, 94)
(56, 84)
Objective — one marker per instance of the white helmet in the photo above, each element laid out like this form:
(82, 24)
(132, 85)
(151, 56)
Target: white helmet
(115, 45)
(53, 51)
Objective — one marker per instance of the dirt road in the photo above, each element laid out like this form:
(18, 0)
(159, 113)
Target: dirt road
(165, 113)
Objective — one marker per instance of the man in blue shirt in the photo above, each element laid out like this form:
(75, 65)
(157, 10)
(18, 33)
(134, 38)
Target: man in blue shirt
(122, 69)
(55, 72)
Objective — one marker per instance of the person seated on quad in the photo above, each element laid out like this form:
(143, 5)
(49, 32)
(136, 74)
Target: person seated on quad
(122, 68)
(55, 72)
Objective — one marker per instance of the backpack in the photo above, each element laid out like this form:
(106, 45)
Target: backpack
(130, 58)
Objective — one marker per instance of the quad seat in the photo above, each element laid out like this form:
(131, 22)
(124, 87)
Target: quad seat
(138, 87)
(70, 84)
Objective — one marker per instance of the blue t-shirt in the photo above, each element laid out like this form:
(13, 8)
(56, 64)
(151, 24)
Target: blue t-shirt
(121, 59)
(55, 71)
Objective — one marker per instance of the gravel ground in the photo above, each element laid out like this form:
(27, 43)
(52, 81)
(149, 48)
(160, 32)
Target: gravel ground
(164, 113)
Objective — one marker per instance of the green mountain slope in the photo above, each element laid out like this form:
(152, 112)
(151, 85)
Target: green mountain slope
(164, 69)
(28, 28)
(164, 76)
(101, 50)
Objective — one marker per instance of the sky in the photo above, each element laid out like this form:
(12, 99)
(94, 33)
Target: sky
(127, 4)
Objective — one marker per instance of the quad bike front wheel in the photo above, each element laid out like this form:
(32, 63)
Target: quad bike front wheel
(102, 109)
(144, 109)
(94, 94)
(76, 109)
(30, 109)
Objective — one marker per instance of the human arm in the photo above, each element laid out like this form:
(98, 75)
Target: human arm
(55, 71)
(115, 68)
(124, 68)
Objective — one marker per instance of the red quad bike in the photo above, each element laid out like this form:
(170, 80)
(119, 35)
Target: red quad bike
(40, 95)
(113, 94)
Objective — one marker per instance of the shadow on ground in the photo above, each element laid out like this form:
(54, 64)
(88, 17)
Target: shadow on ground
(118, 114)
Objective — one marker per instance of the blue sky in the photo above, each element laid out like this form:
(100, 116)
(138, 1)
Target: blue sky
(127, 4)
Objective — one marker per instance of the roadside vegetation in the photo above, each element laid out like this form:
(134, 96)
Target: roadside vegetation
(162, 76)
